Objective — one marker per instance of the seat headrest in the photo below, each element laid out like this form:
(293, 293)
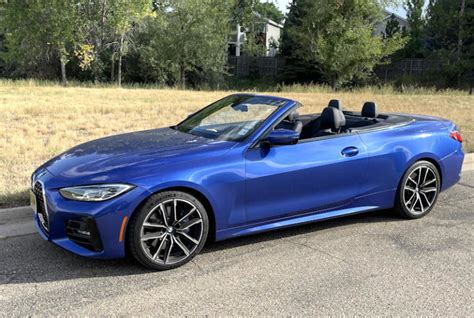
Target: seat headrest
(335, 103)
(370, 110)
(332, 118)
(292, 116)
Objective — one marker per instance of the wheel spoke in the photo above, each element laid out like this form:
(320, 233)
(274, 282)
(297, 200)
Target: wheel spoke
(157, 253)
(426, 198)
(421, 203)
(414, 203)
(410, 189)
(153, 236)
(146, 224)
(170, 247)
(186, 235)
(175, 212)
(432, 189)
(189, 224)
(428, 183)
(187, 215)
(426, 174)
(411, 179)
(181, 245)
(411, 198)
(163, 214)
(419, 175)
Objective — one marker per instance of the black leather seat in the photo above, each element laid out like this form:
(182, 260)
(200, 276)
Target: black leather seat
(332, 121)
(369, 110)
(335, 103)
(291, 122)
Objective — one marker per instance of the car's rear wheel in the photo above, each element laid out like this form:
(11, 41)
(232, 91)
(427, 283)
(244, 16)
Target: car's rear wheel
(418, 190)
(168, 230)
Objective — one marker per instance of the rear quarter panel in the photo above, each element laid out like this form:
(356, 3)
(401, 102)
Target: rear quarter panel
(391, 151)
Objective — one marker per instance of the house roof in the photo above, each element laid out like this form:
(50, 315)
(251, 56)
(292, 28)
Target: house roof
(278, 25)
(267, 20)
(388, 14)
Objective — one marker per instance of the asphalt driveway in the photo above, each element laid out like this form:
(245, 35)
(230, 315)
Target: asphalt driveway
(372, 264)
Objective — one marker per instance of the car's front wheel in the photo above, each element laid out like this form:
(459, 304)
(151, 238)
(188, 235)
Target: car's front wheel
(418, 190)
(168, 230)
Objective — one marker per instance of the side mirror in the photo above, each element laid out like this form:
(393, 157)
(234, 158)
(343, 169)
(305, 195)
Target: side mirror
(281, 137)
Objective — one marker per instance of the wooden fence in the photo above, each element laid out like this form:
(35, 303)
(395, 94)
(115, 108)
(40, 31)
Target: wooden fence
(248, 66)
(417, 68)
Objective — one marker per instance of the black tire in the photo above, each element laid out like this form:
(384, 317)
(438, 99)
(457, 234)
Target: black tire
(150, 252)
(416, 195)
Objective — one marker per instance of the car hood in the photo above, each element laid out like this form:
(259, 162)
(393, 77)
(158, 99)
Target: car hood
(127, 156)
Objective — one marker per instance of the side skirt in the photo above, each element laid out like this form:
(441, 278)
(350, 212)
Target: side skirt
(283, 223)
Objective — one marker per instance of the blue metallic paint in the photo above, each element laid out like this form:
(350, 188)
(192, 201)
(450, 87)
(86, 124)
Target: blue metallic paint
(282, 137)
(250, 188)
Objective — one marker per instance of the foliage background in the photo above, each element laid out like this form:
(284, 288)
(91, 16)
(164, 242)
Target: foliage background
(183, 43)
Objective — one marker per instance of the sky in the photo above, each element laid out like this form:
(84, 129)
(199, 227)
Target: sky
(283, 4)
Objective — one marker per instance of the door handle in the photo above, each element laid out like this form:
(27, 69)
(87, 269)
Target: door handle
(349, 151)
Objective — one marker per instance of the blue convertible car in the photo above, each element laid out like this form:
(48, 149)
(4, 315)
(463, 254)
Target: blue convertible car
(242, 165)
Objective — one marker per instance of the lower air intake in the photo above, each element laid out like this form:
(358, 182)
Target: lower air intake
(83, 231)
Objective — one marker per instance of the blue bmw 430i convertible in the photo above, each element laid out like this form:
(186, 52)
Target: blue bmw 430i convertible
(242, 165)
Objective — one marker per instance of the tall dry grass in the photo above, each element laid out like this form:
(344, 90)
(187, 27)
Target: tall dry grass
(38, 120)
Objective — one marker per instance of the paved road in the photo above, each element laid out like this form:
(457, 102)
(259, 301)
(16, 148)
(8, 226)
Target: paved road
(368, 264)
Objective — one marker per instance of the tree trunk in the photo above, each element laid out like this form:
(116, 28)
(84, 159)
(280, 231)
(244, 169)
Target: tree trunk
(119, 70)
(99, 41)
(112, 68)
(334, 82)
(63, 70)
(183, 77)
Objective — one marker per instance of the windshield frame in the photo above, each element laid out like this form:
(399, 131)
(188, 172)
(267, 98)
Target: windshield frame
(283, 103)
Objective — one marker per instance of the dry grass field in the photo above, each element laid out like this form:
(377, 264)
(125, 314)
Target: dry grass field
(39, 121)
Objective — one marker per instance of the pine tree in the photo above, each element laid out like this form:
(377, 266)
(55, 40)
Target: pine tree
(469, 44)
(449, 38)
(414, 48)
(296, 68)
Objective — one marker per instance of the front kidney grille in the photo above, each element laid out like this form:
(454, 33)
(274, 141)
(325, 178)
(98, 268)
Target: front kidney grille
(41, 207)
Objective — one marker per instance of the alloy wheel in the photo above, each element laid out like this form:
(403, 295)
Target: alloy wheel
(171, 231)
(420, 190)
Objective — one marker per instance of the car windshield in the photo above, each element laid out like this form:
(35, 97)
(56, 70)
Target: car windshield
(232, 118)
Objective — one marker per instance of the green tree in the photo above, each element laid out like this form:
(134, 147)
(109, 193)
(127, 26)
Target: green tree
(414, 47)
(242, 11)
(124, 17)
(270, 11)
(246, 14)
(449, 36)
(297, 68)
(187, 39)
(338, 34)
(392, 27)
(37, 31)
(468, 44)
(98, 34)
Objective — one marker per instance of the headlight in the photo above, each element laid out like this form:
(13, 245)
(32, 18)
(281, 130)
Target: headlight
(98, 192)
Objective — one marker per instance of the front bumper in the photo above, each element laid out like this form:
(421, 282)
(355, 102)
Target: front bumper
(107, 218)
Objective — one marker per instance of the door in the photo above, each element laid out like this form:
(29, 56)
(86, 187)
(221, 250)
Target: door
(313, 175)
